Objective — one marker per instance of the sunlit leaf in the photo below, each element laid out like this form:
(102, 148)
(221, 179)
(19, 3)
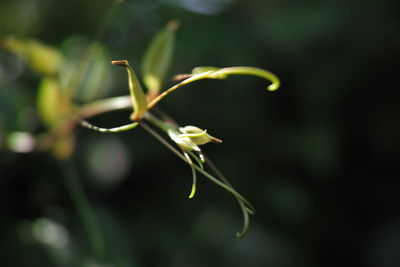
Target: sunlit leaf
(139, 101)
(158, 56)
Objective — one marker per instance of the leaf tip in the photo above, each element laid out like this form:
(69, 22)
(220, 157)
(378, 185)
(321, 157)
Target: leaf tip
(173, 25)
(122, 63)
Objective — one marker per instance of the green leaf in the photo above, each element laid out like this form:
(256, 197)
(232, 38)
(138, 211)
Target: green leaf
(138, 97)
(40, 57)
(158, 56)
(85, 71)
(53, 106)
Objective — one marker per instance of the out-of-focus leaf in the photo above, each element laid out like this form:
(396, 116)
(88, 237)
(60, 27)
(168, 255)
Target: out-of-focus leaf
(53, 105)
(158, 56)
(85, 72)
(97, 74)
(40, 57)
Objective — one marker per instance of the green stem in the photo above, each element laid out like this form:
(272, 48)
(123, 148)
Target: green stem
(165, 126)
(104, 105)
(83, 207)
(250, 209)
(245, 205)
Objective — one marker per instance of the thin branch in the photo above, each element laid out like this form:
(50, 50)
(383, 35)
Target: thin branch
(104, 105)
(83, 207)
(163, 141)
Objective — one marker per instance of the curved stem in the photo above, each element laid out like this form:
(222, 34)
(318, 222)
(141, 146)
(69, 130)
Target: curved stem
(250, 209)
(215, 73)
(173, 88)
(275, 82)
(227, 187)
(245, 205)
(194, 175)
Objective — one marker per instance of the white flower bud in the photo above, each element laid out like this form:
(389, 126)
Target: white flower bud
(197, 135)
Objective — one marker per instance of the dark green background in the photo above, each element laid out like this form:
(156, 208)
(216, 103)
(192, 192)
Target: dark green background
(319, 158)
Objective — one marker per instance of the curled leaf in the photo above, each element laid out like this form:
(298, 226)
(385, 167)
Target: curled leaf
(139, 101)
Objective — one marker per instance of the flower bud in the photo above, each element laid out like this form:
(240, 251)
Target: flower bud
(197, 135)
(183, 142)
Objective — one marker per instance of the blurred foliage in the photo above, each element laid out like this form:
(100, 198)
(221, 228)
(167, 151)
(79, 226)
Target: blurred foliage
(317, 158)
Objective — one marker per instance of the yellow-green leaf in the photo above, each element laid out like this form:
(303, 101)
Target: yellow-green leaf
(52, 104)
(139, 101)
(40, 57)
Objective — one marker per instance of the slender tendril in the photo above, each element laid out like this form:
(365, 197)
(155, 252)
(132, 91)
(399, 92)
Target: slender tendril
(245, 210)
(199, 162)
(123, 128)
(223, 73)
(215, 73)
(194, 175)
